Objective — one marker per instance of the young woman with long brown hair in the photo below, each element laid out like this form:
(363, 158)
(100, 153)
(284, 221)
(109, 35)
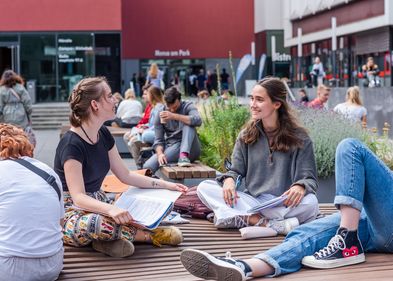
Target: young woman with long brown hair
(273, 156)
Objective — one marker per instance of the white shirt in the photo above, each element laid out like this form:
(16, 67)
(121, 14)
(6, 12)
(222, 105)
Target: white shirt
(30, 212)
(129, 109)
(350, 111)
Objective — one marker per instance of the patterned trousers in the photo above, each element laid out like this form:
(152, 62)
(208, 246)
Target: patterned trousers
(81, 227)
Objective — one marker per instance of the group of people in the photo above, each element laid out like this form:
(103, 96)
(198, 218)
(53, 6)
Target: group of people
(273, 156)
(351, 109)
(369, 73)
(169, 127)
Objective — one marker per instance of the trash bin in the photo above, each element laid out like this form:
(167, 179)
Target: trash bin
(31, 86)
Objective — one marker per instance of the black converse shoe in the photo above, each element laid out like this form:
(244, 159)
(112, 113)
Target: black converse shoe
(206, 266)
(343, 249)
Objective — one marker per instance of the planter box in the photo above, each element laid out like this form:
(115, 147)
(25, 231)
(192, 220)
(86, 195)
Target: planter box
(326, 190)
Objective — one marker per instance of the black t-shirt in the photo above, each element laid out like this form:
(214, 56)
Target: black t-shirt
(94, 158)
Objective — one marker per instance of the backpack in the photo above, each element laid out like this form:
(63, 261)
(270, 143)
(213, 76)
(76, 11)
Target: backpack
(189, 204)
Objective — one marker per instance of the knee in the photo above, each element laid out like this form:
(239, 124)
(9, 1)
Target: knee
(347, 145)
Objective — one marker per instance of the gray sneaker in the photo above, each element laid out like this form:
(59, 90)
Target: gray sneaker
(184, 162)
(117, 248)
(283, 226)
(233, 222)
(203, 265)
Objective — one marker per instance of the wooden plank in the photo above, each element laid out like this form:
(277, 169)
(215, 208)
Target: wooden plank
(187, 172)
(169, 172)
(195, 171)
(209, 172)
(204, 172)
(151, 263)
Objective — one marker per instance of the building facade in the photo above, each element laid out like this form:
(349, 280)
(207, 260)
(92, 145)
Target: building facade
(343, 34)
(56, 43)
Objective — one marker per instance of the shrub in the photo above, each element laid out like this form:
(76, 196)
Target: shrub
(326, 130)
(382, 146)
(222, 123)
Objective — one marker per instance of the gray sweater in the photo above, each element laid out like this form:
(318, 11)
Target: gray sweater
(171, 132)
(275, 173)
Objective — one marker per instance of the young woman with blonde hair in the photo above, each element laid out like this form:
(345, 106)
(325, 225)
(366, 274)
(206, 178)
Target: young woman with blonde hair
(353, 107)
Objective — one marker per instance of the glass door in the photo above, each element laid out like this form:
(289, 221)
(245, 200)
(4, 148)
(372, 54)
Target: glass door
(9, 56)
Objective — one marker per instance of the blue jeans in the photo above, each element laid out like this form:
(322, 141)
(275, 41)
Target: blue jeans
(363, 182)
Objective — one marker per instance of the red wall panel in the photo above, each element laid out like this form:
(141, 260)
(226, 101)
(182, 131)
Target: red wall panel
(65, 15)
(200, 28)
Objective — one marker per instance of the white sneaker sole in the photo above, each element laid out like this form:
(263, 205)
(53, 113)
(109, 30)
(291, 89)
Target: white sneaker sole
(184, 164)
(310, 261)
(204, 265)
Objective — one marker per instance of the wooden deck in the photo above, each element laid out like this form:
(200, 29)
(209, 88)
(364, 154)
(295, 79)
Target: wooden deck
(150, 263)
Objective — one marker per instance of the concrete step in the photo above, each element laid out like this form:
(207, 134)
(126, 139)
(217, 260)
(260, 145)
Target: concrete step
(50, 115)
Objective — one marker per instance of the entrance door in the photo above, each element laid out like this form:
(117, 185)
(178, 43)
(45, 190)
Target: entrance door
(9, 57)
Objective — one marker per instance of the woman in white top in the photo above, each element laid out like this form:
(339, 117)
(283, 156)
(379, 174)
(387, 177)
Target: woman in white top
(31, 213)
(129, 111)
(353, 107)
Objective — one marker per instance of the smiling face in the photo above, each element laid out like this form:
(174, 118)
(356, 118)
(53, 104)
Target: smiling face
(262, 107)
(107, 102)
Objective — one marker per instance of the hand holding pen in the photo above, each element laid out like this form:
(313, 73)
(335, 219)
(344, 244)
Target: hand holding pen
(229, 191)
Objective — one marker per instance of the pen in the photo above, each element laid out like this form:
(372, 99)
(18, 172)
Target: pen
(237, 185)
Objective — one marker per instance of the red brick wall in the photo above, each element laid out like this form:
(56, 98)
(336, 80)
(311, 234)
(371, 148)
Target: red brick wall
(56, 15)
(204, 28)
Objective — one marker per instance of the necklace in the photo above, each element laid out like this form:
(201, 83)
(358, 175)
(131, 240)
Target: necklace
(87, 136)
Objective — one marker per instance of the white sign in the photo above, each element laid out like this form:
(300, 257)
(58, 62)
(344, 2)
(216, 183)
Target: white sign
(281, 57)
(178, 53)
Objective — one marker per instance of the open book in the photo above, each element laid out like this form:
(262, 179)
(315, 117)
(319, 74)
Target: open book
(261, 205)
(148, 207)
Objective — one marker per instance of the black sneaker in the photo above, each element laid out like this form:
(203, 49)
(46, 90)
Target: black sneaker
(206, 266)
(343, 249)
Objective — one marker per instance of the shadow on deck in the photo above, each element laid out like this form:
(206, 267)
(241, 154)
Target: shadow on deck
(150, 263)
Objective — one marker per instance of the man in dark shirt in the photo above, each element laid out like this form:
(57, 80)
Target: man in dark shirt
(175, 132)
(224, 76)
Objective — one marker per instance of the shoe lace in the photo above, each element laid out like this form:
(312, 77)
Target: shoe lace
(337, 242)
(239, 222)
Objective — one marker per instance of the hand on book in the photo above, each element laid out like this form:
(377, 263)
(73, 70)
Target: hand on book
(119, 215)
(294, 195)
(176, 186)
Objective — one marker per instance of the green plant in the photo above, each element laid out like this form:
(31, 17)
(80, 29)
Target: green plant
(326, 130)
(222, 123)
(382, 146)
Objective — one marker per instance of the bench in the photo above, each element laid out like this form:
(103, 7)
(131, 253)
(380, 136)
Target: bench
(117, 134)
(197, 170)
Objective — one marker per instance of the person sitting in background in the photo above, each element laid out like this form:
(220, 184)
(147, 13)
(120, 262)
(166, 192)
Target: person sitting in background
(370, 72)
(129, 111)
(353, 108)
(31, 213)
(320, 102)
(303, 97)
(145, 136)
(175, 132)
(84, 156)
(143, 123)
